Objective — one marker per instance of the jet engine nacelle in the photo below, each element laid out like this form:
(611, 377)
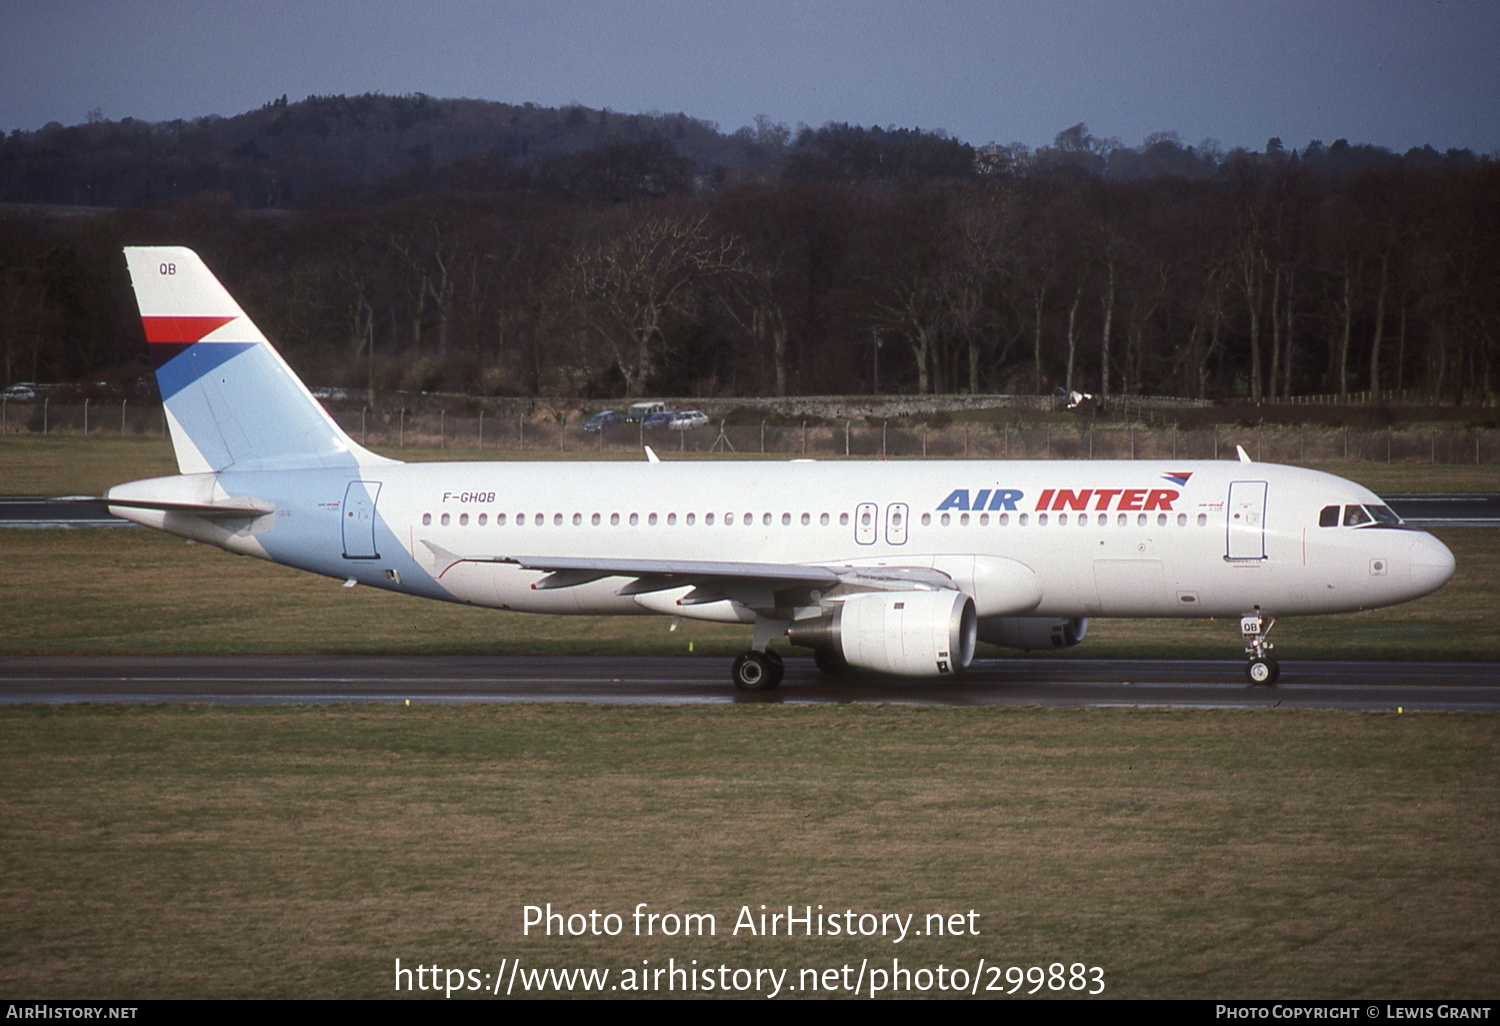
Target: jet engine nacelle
(911, 633)
(1033, 632)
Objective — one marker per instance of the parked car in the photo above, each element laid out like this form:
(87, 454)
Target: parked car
(602, 420)
(660, 419)
(687, 419)
(20, 390)
(640, 411)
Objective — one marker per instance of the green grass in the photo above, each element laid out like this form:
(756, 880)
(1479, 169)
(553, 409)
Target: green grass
(72, 464)
(206, 852)
(181, 851)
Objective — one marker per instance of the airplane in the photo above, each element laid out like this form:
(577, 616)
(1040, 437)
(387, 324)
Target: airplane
(892, 567)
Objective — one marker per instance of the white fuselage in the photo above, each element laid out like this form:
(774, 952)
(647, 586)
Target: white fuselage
(1064, 539)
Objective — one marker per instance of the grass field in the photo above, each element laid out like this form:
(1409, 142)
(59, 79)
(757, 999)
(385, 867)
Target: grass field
(72, 464)
(180, 851)
(184, 851)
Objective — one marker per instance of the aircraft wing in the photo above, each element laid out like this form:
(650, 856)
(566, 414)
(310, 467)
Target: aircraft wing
(749, 582)
(665, 574)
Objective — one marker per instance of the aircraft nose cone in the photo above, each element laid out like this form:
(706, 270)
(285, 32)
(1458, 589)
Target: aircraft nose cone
(1431, 564)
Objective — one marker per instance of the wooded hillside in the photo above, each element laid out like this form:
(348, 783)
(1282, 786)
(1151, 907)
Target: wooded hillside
(421, 243)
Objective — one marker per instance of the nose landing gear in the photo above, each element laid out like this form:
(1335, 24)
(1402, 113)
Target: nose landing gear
(1261, 669)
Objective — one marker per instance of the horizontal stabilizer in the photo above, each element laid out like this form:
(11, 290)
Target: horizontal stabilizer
(242, 507)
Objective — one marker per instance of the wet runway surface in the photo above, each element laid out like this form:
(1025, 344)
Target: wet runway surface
(1187, 684)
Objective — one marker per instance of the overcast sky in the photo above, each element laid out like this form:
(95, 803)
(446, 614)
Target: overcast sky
(1396, 73)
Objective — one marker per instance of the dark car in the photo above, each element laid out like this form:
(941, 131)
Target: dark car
(660, 419)
(602, 420)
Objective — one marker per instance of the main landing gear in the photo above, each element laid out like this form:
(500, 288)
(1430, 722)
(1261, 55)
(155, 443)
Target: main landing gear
(760, 669)
(1261, 669)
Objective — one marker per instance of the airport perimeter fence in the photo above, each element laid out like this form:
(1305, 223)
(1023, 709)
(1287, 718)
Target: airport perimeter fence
(894, 439)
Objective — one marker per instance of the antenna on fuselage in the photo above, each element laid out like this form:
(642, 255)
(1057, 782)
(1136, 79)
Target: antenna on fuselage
(1244, 456)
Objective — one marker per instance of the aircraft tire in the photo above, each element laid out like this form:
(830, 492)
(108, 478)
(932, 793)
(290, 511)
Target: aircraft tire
(1262, 671)
(755, 671)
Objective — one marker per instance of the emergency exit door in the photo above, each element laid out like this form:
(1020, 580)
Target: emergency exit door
(1246, 521)
(358, 515)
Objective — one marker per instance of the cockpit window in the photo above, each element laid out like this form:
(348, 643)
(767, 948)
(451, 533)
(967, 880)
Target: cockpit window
(1383, 515)
(1329, 517)
(1355, 515)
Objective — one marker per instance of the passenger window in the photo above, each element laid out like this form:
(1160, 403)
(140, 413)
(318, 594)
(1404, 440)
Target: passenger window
(926, 519)
(823, 519)
(446, 519)
(1329, 517)
(426, 519)
(483, 519)
(1355, 515)
(463, 520)
(594, 520)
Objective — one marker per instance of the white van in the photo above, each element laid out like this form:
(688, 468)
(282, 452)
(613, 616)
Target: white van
(640, 411)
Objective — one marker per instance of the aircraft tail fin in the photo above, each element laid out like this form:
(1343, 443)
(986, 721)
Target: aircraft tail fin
(231, 400)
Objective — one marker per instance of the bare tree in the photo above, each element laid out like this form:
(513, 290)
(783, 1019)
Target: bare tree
(629, 284)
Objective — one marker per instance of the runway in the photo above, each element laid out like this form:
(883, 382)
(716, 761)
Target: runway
(1063, 682)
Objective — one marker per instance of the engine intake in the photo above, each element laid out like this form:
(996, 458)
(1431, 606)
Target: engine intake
(910, 633)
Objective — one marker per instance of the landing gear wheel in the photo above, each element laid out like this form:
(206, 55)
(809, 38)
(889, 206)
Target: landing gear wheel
(1261, 670)
(830, 661)
(757, 671)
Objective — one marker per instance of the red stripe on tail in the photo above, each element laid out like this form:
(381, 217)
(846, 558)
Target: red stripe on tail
(181, 330)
